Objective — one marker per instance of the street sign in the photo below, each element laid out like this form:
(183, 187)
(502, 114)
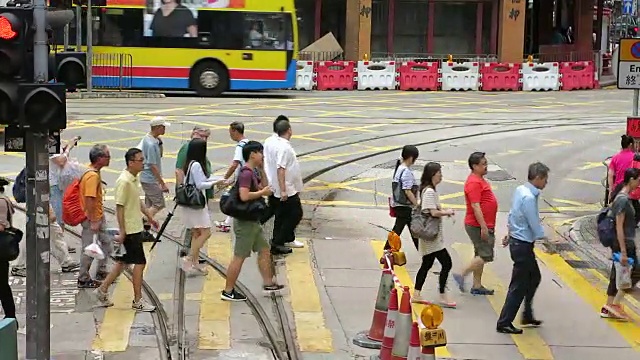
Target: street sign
(628, 73)
(627, 7)
(633, 126)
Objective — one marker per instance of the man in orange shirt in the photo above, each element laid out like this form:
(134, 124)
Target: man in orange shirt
(479, 222)
(91, 201)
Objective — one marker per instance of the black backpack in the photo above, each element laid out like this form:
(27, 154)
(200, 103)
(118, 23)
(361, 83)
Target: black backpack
(20, 187)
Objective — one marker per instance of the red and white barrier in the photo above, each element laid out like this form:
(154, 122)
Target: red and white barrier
(500, 77)
(418, 76)
(335, 75)
(376, 75)
(577, 75)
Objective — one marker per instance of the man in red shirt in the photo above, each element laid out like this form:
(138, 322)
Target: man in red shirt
(479, 222)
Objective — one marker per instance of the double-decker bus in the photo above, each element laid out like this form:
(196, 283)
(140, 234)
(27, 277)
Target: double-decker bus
(208, 46)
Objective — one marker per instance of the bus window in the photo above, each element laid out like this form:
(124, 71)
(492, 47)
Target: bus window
(120, 27)
(171, 19)
(267, 31)
(222, 28)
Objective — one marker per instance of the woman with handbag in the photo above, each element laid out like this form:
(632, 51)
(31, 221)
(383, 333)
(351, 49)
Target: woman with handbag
(193, 203)
(432, 247)
(6, 214)
(404, 191)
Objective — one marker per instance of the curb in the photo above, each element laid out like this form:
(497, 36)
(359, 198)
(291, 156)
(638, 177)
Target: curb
(114, 95)
(587, 242)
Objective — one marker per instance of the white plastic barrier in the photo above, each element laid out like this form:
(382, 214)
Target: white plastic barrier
(305, 78)
(460, 76)
(540, 77)
(377, 75)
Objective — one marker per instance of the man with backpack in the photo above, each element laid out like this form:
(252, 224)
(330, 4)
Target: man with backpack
(236, 132)
(90, 192)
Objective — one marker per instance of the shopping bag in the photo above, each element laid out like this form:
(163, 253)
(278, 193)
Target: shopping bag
(623, 276)
(94, 250)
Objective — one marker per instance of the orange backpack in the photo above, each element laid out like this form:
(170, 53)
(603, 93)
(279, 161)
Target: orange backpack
(72, 213)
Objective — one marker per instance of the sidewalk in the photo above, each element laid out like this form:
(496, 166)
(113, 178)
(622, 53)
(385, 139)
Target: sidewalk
(72, 319)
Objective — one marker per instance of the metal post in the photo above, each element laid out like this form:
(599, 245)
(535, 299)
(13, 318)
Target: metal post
(89, 46)
(78, 28)
(636, 97)
(66, 37)
(37, 228)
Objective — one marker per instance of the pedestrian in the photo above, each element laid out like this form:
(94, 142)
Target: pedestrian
(236, 132)
(619, 163)
(129, 212)
(625, 247)
(91, 202)
(57, 163)
(288, 189)
(525, 227)
(196, 173)
(199, 132)
(151, 177)
(6, 216)
(432, 249)
(271, 170)
(479, 223)
(404, 192)
(248, 233)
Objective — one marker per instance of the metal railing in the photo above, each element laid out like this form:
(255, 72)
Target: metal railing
(112, 71)
(321, 56)
(435, 57)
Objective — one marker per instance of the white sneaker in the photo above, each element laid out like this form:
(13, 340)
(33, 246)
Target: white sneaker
(102, 298)
(294, 244)
(142, 306)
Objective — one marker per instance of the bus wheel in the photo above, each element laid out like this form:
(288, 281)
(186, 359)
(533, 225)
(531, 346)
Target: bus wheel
(209, 79)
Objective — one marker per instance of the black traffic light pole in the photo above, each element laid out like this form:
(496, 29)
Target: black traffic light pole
(37, 234)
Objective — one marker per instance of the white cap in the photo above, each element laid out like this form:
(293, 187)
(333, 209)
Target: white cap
(158, 121)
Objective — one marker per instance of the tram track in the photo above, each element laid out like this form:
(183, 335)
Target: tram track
(283, 344)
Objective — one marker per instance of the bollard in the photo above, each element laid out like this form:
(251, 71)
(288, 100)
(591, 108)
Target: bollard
(8, 339)
(372, 339)
(431, 336)
(403, 328)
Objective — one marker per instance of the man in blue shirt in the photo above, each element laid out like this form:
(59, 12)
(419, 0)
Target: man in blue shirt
(525, 227)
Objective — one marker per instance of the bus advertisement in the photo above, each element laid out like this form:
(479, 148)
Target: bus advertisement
(207, 46)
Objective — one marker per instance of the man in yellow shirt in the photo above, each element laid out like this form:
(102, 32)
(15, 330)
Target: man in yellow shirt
(129, 211)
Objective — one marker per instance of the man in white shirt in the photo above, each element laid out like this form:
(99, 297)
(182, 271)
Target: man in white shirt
(287, 188)
(271, 169)
(236, 132)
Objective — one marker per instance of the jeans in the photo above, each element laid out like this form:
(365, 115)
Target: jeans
(288, 216)
(6, 296)
(525, 279)
(55, 199)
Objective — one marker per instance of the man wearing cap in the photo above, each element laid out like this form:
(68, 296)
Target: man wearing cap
(151, 179)
(199, 132)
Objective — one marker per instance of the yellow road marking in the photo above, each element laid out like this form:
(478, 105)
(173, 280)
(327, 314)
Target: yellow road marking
(311, 331)
(591, 165)
(339, 129)
(571, 202)
(530, 344)
(582, 181)
(188, 296)
(118, 319)
(406, 280)
(594, 296)
(214, 329)
(510, 152)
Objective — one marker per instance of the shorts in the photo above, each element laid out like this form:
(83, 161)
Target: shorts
(249, 237)
(483, 249)
(153, 195)
(135, 252)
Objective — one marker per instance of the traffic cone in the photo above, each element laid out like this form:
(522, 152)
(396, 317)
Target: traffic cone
(390, 328)
(414, 343)
(403, 328)
(428, 353)
(373, 338)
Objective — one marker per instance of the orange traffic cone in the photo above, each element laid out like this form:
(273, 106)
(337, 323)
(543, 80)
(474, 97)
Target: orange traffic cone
(390, 328)
(414, 343)
(403, 328)
(372, 339)
(428, 353)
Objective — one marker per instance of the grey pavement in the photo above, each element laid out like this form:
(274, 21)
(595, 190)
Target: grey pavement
(341, 205)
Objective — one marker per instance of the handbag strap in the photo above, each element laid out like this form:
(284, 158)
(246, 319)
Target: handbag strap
(186, 180)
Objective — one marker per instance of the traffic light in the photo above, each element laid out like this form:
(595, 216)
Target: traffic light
(43, 106)
(16, 59)
(71, 69)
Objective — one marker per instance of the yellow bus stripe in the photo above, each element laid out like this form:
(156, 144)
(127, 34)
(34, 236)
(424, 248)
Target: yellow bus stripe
(406, 280)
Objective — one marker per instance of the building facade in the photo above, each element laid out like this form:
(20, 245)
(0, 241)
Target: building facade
(507, 29)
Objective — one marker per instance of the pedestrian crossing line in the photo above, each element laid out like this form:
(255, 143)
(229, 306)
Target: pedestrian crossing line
(530, 343)
(406, 280)
(214, 329)
(113, 335)
(311, 331)
(594, 296)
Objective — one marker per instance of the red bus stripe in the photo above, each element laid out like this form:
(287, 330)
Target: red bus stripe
(177, 72)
